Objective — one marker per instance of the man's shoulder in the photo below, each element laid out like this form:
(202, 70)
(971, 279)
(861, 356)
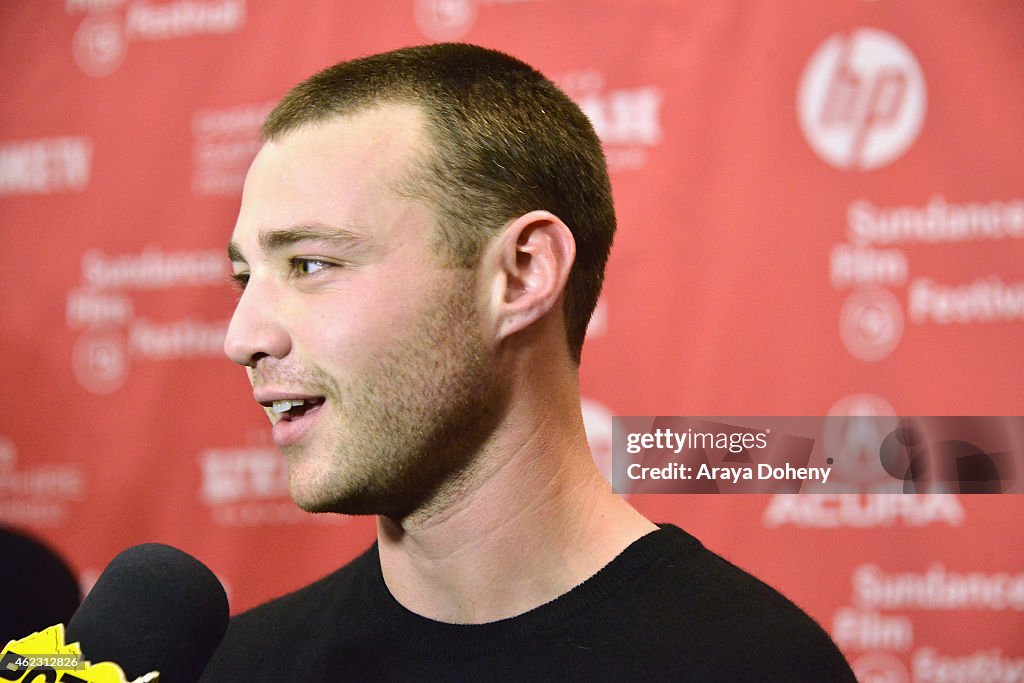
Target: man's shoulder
(722, 618)
(693, 574)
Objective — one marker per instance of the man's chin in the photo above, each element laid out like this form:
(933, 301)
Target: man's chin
(313, 506)
(317, 502)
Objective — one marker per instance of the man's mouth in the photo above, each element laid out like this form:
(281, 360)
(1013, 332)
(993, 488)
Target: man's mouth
(293, 408)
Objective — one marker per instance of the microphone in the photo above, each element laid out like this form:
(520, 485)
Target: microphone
(154, 608)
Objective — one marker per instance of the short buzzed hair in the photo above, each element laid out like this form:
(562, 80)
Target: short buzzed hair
(506, 141)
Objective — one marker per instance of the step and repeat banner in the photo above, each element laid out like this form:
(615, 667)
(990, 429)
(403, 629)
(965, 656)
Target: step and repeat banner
(821, 209)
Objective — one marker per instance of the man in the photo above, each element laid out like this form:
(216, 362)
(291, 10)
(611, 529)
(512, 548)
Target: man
(420, 245)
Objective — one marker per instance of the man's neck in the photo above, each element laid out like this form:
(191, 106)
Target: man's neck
(542, 521)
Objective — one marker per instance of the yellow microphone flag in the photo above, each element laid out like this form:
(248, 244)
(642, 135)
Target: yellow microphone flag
(44, 657)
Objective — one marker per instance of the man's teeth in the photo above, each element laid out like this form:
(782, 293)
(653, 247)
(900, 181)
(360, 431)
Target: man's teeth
(287, 404)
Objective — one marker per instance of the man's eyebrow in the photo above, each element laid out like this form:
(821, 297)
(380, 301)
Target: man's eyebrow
(235, 253)
(273, 240)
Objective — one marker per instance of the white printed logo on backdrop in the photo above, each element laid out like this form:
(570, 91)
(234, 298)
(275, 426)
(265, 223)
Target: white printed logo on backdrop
(862, 99)
(114, 334)
(871, 323)
(101, 41)
(448, 20)
(445, 19)
(38, 494)
(99, 44)
(225, 141)
(852, 433)
(247, 486)
(880, 667)
(627, 119)
(45, 165)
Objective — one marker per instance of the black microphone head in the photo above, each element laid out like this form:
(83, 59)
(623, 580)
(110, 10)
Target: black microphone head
(154, 608)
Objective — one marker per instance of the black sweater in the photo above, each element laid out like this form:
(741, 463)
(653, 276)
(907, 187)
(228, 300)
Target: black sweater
(665, 609)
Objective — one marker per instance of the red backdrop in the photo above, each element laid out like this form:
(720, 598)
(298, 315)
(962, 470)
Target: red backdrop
(821, 211)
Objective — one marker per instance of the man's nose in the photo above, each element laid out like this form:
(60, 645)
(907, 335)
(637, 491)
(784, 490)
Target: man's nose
(255, 330)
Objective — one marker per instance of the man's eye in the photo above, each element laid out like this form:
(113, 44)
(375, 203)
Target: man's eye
(304, 267)
(241, 279)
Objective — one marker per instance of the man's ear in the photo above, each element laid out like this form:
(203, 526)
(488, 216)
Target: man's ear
(527, 267)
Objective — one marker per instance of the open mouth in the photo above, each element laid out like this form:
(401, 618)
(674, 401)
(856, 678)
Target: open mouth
(294, 408)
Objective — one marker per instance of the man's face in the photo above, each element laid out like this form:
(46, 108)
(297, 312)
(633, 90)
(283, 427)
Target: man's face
(363, 347)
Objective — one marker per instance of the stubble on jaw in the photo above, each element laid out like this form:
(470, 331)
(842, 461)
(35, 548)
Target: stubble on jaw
(403, 437)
